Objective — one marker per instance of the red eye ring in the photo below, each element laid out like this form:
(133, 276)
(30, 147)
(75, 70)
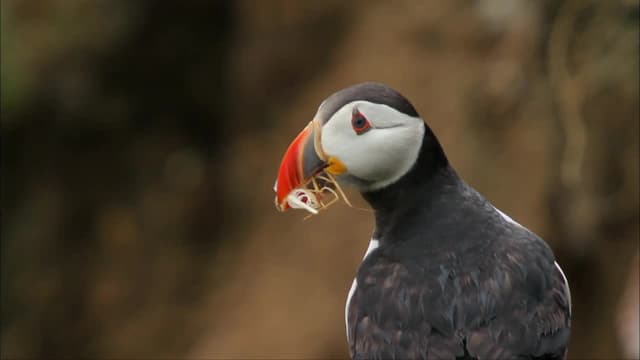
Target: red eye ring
(359, 123)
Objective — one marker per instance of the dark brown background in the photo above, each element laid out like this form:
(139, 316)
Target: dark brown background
(140, 143)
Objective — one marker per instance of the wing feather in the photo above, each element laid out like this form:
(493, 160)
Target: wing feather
(513, 304)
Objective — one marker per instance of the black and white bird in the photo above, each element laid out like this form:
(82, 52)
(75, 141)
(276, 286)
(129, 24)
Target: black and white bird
(446, 274)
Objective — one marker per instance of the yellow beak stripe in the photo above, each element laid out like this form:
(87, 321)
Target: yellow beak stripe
(336, 167)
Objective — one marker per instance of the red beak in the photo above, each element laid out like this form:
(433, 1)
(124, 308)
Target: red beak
(299, 164)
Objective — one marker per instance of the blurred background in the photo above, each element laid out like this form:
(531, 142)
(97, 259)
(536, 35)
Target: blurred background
(141, 140)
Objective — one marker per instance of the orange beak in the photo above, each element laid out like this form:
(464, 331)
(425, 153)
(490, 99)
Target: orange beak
(300, 162)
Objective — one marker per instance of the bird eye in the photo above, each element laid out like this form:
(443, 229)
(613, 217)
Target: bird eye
(359, 123)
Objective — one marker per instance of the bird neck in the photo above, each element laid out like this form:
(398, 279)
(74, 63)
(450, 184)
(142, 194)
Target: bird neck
(430, 180)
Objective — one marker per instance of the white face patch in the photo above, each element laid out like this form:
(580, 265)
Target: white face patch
(381, 155)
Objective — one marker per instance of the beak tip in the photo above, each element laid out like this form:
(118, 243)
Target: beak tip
(281, 207)
(290, 173)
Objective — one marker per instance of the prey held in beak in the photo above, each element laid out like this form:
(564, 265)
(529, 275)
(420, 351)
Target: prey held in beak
(305, 178)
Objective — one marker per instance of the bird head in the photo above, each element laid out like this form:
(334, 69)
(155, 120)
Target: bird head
(367, 136)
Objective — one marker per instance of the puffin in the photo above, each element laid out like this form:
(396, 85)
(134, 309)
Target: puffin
(446, 274)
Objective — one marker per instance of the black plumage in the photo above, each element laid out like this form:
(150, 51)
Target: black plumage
(372, 92)
(452, 277)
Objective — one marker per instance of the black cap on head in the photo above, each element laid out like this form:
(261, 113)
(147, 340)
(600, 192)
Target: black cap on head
(372, 92)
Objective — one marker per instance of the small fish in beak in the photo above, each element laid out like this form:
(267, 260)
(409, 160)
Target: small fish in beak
(302, 180)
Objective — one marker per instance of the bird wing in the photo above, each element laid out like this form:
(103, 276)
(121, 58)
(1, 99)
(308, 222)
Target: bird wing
(537, 324)
(502, 304)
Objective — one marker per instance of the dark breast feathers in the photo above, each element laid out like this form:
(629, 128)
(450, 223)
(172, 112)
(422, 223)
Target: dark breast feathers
(502, 299)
